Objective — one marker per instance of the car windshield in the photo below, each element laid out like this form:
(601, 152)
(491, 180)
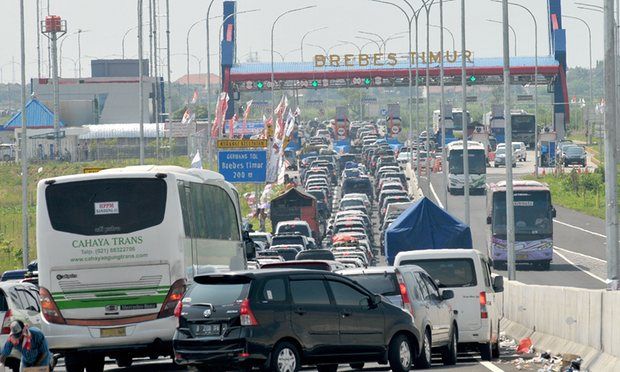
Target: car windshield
(284, 240)
(449, 272)
(532, 213)
(574, 150)
(351, 203)
(477, 162)
(381, 283)
(293, 228)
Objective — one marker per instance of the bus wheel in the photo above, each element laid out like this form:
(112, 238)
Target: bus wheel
(124, 361)
(497, 265)
(545, 265)
(74, 363)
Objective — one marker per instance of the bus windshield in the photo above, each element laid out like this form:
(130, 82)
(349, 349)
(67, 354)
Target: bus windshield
(532, 211)
(477, 162)
(523, 123)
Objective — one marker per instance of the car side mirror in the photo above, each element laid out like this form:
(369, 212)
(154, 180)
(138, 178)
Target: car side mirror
(498, 284)
(489, 220)
(447, 294)
(374, 301)
(553, 212)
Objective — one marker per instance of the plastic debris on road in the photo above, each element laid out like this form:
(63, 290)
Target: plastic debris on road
(523, 356)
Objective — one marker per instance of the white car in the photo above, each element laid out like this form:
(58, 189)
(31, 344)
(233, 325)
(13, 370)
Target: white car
(362, 197)
(294, 226)
(403, 157)
(18, 301)
(519, 150)
(466, 272)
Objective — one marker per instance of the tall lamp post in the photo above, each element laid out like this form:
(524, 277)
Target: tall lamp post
(187, 53)
(304, 37)
(427, 7)
(536, 81)
(442, 104)
(591, 101)
(273, 26)
(443, 28)
(24, 139)
(514, 33)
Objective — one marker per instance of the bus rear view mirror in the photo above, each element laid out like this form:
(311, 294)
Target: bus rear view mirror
(488, 220)
(553, 212)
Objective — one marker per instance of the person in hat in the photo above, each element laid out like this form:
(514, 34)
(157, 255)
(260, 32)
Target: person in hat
(30, 342)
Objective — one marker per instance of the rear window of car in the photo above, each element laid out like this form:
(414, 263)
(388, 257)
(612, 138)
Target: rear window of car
(218, 294)
(315, 255)
(383, 284)
(108, 206)
(4, 306)
(293, 228)
(284, 240)
(450, 272)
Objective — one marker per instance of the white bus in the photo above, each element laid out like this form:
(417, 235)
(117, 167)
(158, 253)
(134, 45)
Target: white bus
(477, 166)
(116, 250)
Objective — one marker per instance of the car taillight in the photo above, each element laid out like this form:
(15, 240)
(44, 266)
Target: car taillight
(6, 323)
(403, 294)
(483, 306)
(247, 316)
(172, 299)
(49, 309)
(178, 309)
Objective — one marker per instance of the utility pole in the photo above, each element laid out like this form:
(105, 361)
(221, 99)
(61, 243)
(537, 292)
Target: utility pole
(140, 82)
(38, 38)
(169, 90)
(24, 139)
(464, 121)
(54, 29)
(510, 218)
(442, 114)
(155, 74)
(611, 187)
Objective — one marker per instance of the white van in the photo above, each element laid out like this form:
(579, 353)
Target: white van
(468, 274)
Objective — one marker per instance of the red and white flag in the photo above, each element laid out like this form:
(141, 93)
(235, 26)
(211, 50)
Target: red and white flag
(246, 113)
(279, 112)
(231, 123)
(195, 97)
(188, 116)
(220, 114)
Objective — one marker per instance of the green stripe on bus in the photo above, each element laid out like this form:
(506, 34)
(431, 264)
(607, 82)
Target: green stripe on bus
(165, 287)
(83, 304)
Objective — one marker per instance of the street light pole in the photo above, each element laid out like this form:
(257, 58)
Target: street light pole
(304, 37)
(443, 28)
(510, 221)
(591, 101)
(464, 115)
(514, 33)
(273, 26)
(79, 42)
(168, 73)
(536, 81)
(611, 170)
(442, 103)
(140, 82)
(24, 139)
(427, 8)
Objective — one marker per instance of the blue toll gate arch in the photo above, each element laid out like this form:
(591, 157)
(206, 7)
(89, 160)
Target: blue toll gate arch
(235, 77)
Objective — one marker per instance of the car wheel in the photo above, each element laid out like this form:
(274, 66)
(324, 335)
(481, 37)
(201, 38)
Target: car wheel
(95, 364)
(327, 368)
(284, 358)
(485, 351)
(449, 354)
(74, 363)
(12, 364)
(495, 350)
(495, 165)
(400, 355)
(356, 366)
(424, 359)
(124, 361)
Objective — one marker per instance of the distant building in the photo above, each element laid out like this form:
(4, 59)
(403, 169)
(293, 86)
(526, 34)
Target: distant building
(110, 96)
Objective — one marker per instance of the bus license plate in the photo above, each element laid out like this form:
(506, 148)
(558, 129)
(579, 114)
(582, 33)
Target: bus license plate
(113, 332)
(206, 329)
(522, 257)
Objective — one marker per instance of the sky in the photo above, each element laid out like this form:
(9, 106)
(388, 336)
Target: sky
(104, 23)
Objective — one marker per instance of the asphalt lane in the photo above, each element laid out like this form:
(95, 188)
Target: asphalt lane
(578, 257)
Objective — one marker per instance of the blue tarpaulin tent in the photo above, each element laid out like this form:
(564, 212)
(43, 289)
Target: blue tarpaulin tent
(425, 226)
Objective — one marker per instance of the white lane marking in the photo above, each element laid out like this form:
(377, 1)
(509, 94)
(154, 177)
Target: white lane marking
(579, 254)
(490, 366)
(580, 229)
(579, 268)
(435, 195)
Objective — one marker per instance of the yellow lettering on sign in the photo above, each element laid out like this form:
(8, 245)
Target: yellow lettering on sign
(319, 60)
(348, 59)
(364, 60)
(452, 58)
(392, 59)
(376, 59)
(435, 57)
(334, 60)
(468, 56)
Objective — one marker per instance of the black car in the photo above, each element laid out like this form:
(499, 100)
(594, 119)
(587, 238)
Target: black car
(280, 319)
(315, 254)
(574, 155)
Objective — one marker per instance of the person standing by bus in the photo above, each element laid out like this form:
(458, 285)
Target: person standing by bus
(30, 342)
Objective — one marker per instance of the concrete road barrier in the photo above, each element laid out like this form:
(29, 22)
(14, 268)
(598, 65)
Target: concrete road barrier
(565, 320)
(414, 189)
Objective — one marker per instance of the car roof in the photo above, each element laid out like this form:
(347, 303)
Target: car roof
(440, 253)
